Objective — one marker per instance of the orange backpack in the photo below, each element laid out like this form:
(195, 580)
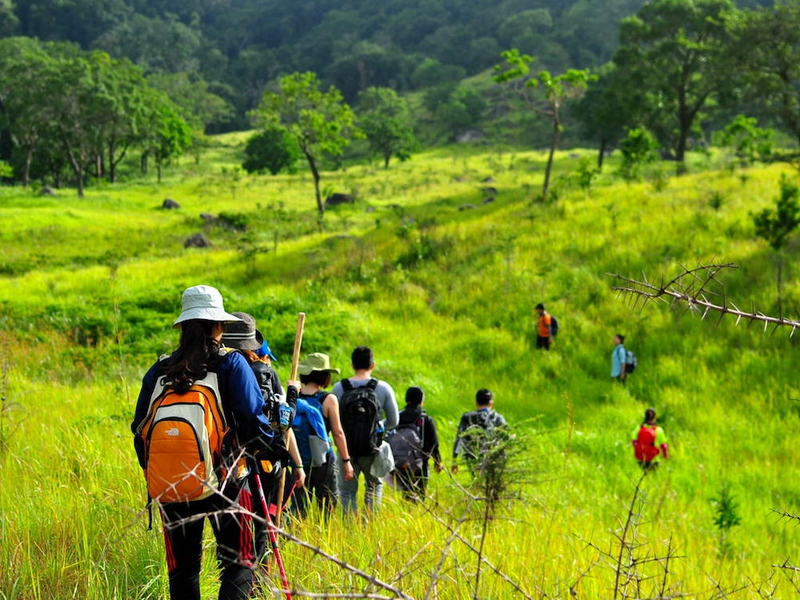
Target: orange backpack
(645, 448)
(182, 437)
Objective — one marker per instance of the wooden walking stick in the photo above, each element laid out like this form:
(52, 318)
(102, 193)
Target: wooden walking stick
(298, 342)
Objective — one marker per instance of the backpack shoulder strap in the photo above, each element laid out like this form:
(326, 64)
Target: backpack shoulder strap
(346, 384)
(372, 384)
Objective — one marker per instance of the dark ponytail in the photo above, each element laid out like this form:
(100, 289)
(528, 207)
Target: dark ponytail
(197, 354)
(650, 415)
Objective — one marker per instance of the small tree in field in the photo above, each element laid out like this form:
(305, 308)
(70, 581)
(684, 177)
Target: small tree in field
(775, 225)
(726, 515)
(272, 150)
(638, 148)
(168, 136)
(556, 91)
(383, 116)
(320, 122)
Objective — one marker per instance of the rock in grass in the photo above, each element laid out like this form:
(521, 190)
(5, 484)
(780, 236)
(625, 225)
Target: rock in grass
(337, 199)
(208, 217)
(340, 238)
(491, 191)
(170, 204)
(198, 240)
(47, 191)
(464, 207)
(488, 200)
(488, 179)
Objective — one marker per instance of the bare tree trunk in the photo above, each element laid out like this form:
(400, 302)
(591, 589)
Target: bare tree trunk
(680, 151)
(77, 167)
(387, 156)
(315, 172)
(112, 167)
(26, 172)
(112, 164)
(602, 153)
(554, 143)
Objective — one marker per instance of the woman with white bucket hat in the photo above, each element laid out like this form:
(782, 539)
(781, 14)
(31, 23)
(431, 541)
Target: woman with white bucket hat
(195, 367)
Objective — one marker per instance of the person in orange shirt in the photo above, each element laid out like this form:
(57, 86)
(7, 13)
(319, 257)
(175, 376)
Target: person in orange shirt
(544, 333)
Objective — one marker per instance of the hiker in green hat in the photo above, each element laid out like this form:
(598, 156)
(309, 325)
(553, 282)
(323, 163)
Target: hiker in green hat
(317, 418)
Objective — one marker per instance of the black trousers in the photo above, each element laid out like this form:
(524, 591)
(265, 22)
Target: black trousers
(321, 484)
(183, 539)
(543, 342)
(412, 482)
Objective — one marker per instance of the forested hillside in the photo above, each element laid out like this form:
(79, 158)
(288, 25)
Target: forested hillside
(238, 47)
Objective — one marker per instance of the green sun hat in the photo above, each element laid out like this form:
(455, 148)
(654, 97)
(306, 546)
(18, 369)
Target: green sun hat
(316, 361)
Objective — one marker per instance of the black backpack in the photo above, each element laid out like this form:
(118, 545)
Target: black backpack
(359, 412)
(553, 326)
(630, 361)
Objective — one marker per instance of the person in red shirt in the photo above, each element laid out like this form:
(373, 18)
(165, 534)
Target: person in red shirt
(544, 332)
(649, 441)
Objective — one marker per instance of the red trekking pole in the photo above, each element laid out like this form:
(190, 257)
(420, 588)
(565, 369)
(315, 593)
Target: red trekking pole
(273, 536)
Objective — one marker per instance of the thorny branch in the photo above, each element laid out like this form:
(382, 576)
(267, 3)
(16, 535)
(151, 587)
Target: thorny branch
(787, 566)
(235, 508)
(782, 514)
(692, 289)
(484, 560)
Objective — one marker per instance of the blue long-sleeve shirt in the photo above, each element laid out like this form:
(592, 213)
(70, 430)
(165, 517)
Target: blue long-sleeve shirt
(241, 399)
(618, 356)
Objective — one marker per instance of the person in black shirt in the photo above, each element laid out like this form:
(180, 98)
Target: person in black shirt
(477, 428)
(413, 479)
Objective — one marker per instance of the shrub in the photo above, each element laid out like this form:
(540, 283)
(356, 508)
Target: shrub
(586, 173)
(638, 148)
(745, 140)
(234, 221)
(716, 199)
(272, 150)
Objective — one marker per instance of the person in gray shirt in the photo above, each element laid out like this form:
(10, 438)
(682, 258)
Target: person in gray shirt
(363, 363)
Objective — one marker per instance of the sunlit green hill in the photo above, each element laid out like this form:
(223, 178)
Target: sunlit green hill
(441, 281)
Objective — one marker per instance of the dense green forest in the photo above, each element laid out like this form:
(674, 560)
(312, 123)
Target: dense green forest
(238, 47)
(85, 85)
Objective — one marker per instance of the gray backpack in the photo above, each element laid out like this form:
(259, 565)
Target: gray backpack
(407, 447)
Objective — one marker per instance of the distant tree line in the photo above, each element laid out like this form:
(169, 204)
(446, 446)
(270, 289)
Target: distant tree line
(685, 65)
(238, 48)
(680, 69)
(68, 113)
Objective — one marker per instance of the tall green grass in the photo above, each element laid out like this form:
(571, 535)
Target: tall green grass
(445, 297)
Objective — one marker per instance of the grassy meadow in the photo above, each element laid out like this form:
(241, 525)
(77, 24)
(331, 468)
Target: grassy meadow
(442, 285)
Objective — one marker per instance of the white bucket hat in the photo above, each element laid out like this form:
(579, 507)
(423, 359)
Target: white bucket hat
(203, 302)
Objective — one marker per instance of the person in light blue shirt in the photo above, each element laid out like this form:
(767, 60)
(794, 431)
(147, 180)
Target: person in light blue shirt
(618, 356)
